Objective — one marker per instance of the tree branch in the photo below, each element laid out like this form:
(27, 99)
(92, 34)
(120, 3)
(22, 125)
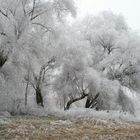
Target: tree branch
(32, 13)
(43, 26)
(5, 15)
(34, 17)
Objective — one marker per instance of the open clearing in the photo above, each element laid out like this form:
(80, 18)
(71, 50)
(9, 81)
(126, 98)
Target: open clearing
(59, 128)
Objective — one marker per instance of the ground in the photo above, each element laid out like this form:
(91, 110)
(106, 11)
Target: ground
(60, 128)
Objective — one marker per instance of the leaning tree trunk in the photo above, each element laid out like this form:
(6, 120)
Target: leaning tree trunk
(39, 98)
(71, 101)
(3, 58)
(91, 102)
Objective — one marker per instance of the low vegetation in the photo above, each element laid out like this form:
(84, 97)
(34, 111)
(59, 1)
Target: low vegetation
(53, 128)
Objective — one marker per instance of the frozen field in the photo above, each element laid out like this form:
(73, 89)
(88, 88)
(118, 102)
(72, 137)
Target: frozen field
(68, 127)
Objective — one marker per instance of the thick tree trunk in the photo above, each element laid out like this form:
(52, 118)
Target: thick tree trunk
(70, 102)
(39, 98)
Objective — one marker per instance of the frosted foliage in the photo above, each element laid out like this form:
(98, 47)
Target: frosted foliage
(70, 5)
(117, 22)
(108, 95)
(114, 47)
(125, 102)
(47, 63)
(93, 80)
(25, 30)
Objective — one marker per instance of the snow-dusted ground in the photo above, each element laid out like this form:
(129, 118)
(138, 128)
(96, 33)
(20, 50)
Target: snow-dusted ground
(90, 113)
(74, 124)
(62, 128)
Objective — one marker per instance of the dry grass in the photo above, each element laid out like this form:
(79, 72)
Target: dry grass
(55, 128)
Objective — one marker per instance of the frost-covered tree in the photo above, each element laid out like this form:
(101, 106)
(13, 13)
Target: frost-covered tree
(77, 81)
(27, 28)
(21, 19)
(114, 47)
(70, 83)
(38, 80)
(103, 36)
(91, 62)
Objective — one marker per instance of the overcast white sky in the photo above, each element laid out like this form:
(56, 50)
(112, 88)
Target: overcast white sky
(130, 9)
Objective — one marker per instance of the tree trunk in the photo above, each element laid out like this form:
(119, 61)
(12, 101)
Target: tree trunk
(39, 98)
(3, 58)
(68, 105)
(87, 105)
(26, 93)
(91, 102)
